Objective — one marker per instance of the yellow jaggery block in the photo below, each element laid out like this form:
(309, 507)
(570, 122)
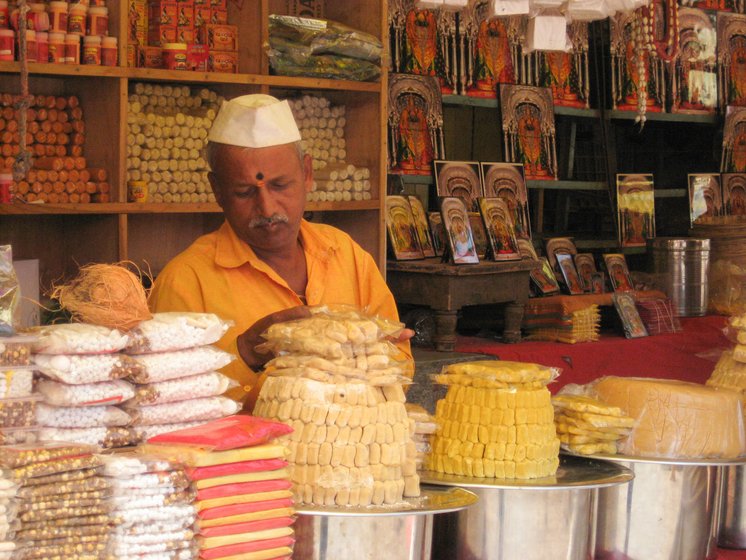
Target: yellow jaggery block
(269, 554)
(581, 403)
(242, 499)
(224, 540)
(245, 517)
(196, 457)
(580, 423)
(593, 448)
(237, 478)
(498, 370)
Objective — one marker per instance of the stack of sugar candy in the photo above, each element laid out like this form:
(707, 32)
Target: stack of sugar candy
(153, 508)
(422, 426)
(9, 549)
(177, 385)
(244, 503)
(17, 404)
(83, 384)
(588, 426)
(62, 510)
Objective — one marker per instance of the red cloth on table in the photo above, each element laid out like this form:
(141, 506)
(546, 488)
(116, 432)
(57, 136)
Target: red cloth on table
(667, 356)
(726, 554)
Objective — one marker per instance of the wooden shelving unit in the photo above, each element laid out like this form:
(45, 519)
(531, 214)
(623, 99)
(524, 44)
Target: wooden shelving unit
(65, 236)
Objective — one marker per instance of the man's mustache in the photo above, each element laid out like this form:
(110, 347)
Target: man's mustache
(273, 219)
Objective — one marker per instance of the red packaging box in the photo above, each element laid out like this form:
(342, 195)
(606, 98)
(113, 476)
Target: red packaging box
(306, 8)
(149, 57)
(138, 22)
(162, 12)
(222, 61)
(184, 35)
(132, 60)
(160, 34)
(219, 4)
(197, 56)
(185, 14)
(220, 37)
(202, 16)
(219, 17)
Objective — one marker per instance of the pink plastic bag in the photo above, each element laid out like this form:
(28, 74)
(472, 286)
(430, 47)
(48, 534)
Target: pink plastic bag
(231, 432)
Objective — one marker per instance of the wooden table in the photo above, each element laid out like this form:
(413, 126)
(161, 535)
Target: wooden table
(446, 288)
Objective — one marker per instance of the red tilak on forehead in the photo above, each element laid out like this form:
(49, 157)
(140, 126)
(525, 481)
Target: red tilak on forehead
(260, 179)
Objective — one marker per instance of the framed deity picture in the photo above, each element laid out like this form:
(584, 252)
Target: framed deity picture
(559, 245)
(423, 230)
(506, 181)
(526, 249)
(705, 197)
(635, 208)
(598, 283)
(498, 224)
(616, 267)
(586, 266)
(458, 229)
(401, 229)
(544, 279)
(733, 156)
(479, 233)
(569, 274)
(624, 303)
(734, 194)
(461, 179)
(694, 77)
(440, 239)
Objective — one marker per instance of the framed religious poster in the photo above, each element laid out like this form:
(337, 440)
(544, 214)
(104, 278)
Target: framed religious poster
(461, 179)
(423, 230)
(731, 46)
(705, 197)
(616, 267)
(558, 245)
(627, 310)
(570, 274)
(598, 283)
(526, 249)
(440, 239)
(506, 181)
(528, 130)
(635, 208)
(733, 156)
(479, 233)
(544, 279)
(694, 70)
(734, 194)
(402, 230)
(458, 230)
(586, 265)
(566, 73)
(499, 226)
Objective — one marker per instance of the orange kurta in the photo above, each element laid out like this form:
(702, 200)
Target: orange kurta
(221, 274)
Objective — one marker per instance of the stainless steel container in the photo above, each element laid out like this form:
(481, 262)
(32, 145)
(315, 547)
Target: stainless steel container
(375, 533)
(668, 512)
(731, 532)
(683, 265)
(531, 519)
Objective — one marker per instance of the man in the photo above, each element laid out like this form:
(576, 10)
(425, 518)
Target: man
(265, 263)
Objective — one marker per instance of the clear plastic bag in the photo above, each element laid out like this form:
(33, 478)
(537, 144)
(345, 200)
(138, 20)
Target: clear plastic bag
(202, 385)
(18, 413)
(90, 394)
(80, 416)
(147, 432)
(21, 455)
(127, 465)
(16, 382)
(185, 514)
(10, 292)
(138, 501)
(152, 527)
(170, 331)
(60, 478)
(106, 437)
(67, 512)
(204, 409)
(85, 368)
(83, 486)
(164, 366)
(52, 531)
(167, 481)
(78, 338)
(55, 467)
(15, 350)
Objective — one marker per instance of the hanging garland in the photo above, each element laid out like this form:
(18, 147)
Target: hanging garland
(23, 160)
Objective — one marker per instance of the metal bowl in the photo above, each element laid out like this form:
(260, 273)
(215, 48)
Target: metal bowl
(526, 519)
(403, 532)
(731, 531)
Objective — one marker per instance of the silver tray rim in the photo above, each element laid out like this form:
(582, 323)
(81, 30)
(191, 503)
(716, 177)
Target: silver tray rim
(460, 498)
(598, 474)
(715, 462)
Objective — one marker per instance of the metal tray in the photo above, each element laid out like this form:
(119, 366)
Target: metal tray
(660, 460)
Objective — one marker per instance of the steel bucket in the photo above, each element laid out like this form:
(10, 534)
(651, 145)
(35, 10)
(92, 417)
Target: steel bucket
(375, 534)
(668, 512)
(731, 531)
(683, 265)
(527, 519)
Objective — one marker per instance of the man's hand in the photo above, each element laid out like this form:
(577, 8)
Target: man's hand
(404, 335)
(248, 341)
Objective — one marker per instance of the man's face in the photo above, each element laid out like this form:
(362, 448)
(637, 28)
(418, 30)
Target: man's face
(262, 192)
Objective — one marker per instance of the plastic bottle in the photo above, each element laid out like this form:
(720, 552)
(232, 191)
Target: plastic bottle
(42, 46)
(37, 17)
(109, 51)
(72, 48)
(56, 48)
(57, 16)
(91, 49)
(98, 20)
(4, 22)
(6, 184)
(76, 19)
(175, 56)
(7, 44)
(30, 45)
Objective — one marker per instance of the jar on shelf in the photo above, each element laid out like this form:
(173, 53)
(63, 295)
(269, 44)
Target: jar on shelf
(91, 49)
(58, 16)
(37, 17)
(56, 48)
(7, 44)
(30, 45)
(6, 186)
(175, 56)
(109, 51)
(42, 46)
(98, 20)
(4, 14)
(72, 48)
(76, 19)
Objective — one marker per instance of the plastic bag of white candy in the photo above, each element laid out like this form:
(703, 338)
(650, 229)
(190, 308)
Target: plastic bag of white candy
(127, 465)
(85, 368)
(175, 331)
(104, 437)
(80, 416)
(147, 432)
(164, 366)
(202, 385)
(78, 338)
(89, 394)
(188, 553)
(185, 515)
(207, 408)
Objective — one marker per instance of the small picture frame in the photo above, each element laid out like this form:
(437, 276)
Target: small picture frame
(461, 179)
(559, 245)
(458, 229)
(635, 208)
(586, 266)
(734, 194)
(401, 228)
(421, 225)
(570, 275)
(705, 197)
(480, 235)
(624, 303)
(526, 249)
(616, 267)
(440, 239)
(598, 283)
(506, 181)
(498, 224)
(544, 279)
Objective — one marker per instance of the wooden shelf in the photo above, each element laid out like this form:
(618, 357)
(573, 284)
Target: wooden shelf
(465, 100)
(565, 185)
(670, 193)
(665, 117)
(70, 70)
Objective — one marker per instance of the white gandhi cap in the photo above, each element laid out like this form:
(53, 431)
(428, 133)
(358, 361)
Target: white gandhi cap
(254, 121)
